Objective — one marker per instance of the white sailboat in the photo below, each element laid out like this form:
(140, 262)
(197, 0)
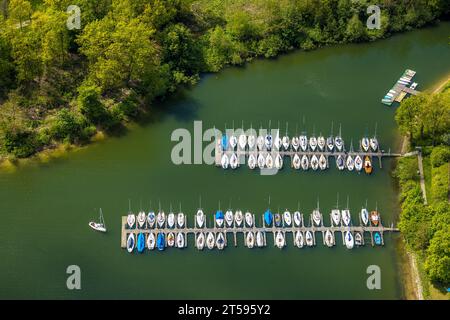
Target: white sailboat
(297, 218)
(210, 240)
(322, 162)
(238, 218)
(295, 143)
(151, 241)
(313, 143)
(242, 141)
(329, 239)
(251, 141)
(131, 220)
(364, 216)
(305, 162)
(161, 219)
(200, 218)
(259, 239)
(250, 240)
(296, 162)
(299, 240)
(303, 140)
(180, 219)
(233, 142)
(277, 141)
(336, 216)
(314, 162)
(350, 164)
(100, 225)
(229, 218)
(252, 161)
(287, 218)
(309, 239)
(330, 143)
(171, 220)
(340, 162)
(220, 241)
(200, 241)
(269, 161)
(233, 161)
(224, 161)
(365, 144)
(374, 144)
(249, 219)
(260, 143)
(317, 217)
(261, 161)
(321, 143)
(131, 242)
(171, 239)
(141, 219)
(268, 142)
(349, 241)
(346, 217)
(180, 240)
(151, 218)
(278, 162)
(279, 240)
(358, 163)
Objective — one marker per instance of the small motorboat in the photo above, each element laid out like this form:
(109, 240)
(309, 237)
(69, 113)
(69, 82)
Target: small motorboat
(210, 240)
(200, 241)
(339, 143)
(336, 216)
(305, 162)
(259, 239)
(358, 239)
(251, 141)
(314, 162)
(303, 140)
(313, 143)
(238, 218)
(131, 220)
(220, 241)
(350, 164)
(261, 161)
(279, 240)
(346, 217)
(99, 226)
(278, 162)
(375, 218)
(377, 238)
(309, 239)
(161, 219)
(171, 239)
(229, 218)
(161, 241)
(224, 161)
(297, 218)
(364, 216)
(317, 217)
(171, 220)
(367, 165)
(287, 218)
(299, 241)
(180, 220)
(141, 219)
(224, 142)
(233, 142)
(130, 242)
(219, 218)
(151, 241)
(140, 242)
(340, 164)
(295, 143)
(285, 142)
(322, 162)
(365, 144)
(250, 240)
(358, 163)
(151, 218)
(200, 218)
(269, 161)
(260, 142)
(349, 241)
(330, 143)
(321, 143)
(180, 240)
(296, 162)
(374, 144)
(249, 219)
(242, 141)
(268, 142)
(252, 161)
(268, 218)
(277, 219)
(329, 239)
(233, 161)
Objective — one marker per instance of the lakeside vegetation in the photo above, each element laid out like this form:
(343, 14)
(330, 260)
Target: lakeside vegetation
(425, 119)
(60, 86)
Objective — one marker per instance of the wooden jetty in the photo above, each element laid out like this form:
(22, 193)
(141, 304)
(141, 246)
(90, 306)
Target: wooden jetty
(399, 91)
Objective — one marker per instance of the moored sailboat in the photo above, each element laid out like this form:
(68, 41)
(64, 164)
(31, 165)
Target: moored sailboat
(279, 240)
(249, 219)
(130, 242)
(349, 241)
(287, 218)
(210, 240)
(220, 241)
(250, 240)
(329, 238)
(238, 218)
(151, 241)
(299, 240)
(200, 241)
(99, 226)
(252, 161)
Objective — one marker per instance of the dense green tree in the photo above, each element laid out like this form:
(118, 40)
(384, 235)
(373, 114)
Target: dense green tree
(90, 104)
(356, 31)
(437, 263)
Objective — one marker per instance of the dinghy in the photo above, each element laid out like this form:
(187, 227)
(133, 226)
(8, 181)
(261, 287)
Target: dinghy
(250, 240)
(358, 239)
(313, 143)
(151, 241)
(219, 218)
(210, 241)
(314, 162)
(349, 240)
(171, 220)
(374, 218)
(233, 161)
(295, 143)
(251, 161)
(296, 162)
(238, 217)
(297, 218)
(161, 241)
(317, 217)
(346, 217)
(339, 143)
(131, 219)
(299, 241)
(350, 163)
(287, 218)
(305, 162)
(309, 239)
(340, 164)
(367, 165)
(364, 216)
(269, 161)
(141, 219)
(259, 239)
(220, 241)
(303, 140)
(200, 241)
(200, 218)
(151, 218)
(130, 243)
(268, 142)
(365, 144)
(374, 144)
(180, 219)
(233, 142)
(229, 218)
(224, 161)
(279, 240)
(329, 239)
(180, 240)
(242, 141)
(322, 162)
(336, 216)
(321, 143)
(260, 143)
(251, 141)
(268, 218)
(330, 143)
(277, 219)
(358, 163)
(161, 219)
(171, 239)
(278, 162)
(249, 219)
(140, 242)
(261, 161)
(285, 142)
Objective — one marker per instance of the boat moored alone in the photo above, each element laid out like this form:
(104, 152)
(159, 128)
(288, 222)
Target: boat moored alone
(99, 226)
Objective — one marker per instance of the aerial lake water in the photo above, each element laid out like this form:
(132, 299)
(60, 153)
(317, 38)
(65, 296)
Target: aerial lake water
(45, 208)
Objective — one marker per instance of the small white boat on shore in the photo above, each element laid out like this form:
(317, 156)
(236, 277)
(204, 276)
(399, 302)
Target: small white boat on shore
(249, 219)
(224, 161)
(349, 241)
(200, 241)
(329, 239)
(309, 239)
(279, 240)
(238, 218)
(346, 217)
(297, 218)
(250, 240)
(296, 162)
(336, 216)
(252, 161)
(210, 240)
(299, 240)
(305, 162)
(314, 162)
(287, 218)
(229, 218)
(151, 241)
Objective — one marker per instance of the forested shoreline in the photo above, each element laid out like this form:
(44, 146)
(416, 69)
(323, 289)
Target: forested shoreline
(62, 86)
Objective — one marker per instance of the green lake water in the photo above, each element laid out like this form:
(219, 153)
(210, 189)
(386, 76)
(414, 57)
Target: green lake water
(45, 208)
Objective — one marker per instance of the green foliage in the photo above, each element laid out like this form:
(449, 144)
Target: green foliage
(439, 183)
(440, 155)
(90, 104)
(67, 126)
(356, 30)
(437, 263)
(19, 141)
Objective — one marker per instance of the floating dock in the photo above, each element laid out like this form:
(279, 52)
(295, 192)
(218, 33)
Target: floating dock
(402, 87)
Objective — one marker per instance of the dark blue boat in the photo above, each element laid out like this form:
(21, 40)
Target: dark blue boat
(277, 220)
(160, 242)
(140, 242)
(224, 142)
(377, 238)
(268, 217)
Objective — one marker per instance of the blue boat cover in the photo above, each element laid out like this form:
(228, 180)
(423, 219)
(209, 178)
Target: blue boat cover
(160, 242)
(219, 214)
(268, 217)
(224, 142)
(377, 238)
(141, 242)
